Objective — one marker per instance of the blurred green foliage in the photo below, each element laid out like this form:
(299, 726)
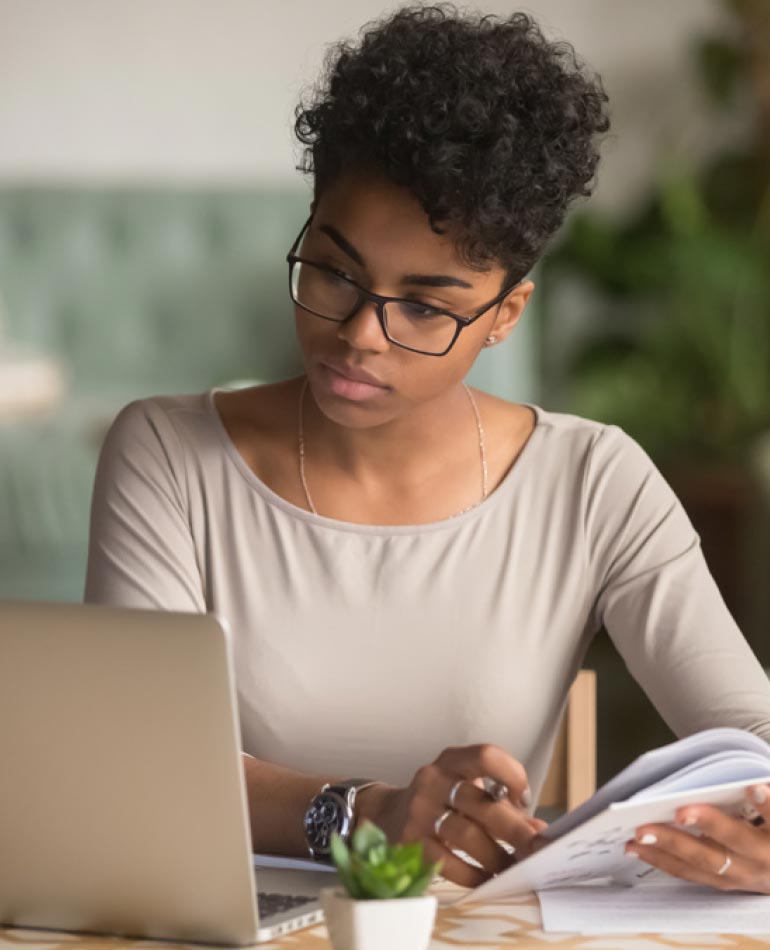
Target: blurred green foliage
(678, 353)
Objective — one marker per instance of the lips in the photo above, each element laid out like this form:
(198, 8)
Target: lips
(355, 374)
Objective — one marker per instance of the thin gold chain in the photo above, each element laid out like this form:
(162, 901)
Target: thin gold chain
(482, 453)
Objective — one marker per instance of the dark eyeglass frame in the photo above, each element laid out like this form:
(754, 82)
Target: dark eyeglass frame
(379, 301)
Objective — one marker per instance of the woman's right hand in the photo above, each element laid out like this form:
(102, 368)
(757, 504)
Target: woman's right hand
(477, 821)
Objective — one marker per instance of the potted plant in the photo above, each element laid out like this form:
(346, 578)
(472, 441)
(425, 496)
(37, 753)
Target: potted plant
(383, 904)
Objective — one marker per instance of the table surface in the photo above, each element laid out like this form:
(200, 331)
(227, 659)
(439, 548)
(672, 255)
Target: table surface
(492, 926)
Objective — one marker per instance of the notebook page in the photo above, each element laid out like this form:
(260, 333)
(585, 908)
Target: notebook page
(656, 765)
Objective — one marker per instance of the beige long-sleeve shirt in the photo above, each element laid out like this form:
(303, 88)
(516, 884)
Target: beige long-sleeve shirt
(366, 650)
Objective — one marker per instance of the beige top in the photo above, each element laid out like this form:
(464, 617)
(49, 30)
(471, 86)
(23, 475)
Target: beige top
(366, 650)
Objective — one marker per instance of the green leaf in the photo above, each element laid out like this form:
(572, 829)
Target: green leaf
(372, 869)
(339, 853)
(367, 836)
(371, 882)
(421, 883)
(378, 854)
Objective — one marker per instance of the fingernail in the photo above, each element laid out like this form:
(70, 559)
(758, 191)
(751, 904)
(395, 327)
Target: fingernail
(649, 838)
(689, 820)
(631, 853)
(759, 794)
(526, 797)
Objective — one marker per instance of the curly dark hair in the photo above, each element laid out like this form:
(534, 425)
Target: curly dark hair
(491, 126)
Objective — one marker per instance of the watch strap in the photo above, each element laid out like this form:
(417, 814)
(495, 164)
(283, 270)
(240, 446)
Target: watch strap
(347, 790)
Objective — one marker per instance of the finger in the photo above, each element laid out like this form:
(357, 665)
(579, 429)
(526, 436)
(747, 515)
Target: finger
(461, 834)
(677, 867)
(735, 834)
(697, 859)
(500, 820)
(759, 797)
(452, 868)
(489, 760)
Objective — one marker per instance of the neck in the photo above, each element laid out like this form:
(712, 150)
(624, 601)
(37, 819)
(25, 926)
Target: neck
(407, 449)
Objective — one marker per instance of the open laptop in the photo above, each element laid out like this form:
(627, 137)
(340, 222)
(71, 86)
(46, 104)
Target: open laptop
(122, 799)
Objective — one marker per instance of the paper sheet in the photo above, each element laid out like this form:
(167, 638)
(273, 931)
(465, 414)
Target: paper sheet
(670, 907)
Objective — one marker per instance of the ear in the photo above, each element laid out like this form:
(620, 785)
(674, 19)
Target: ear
(511, 309)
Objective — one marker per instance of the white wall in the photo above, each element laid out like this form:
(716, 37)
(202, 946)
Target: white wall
(205, 89)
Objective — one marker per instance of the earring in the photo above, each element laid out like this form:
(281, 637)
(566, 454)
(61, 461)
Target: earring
(490, 341)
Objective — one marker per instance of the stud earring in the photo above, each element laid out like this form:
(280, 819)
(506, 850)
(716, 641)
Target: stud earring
(490, 341)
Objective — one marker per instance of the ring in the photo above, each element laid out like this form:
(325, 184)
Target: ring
(453, 793)
(725, 867)
(440, 821)
(496, 790)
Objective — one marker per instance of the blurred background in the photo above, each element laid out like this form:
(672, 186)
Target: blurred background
(148, 196)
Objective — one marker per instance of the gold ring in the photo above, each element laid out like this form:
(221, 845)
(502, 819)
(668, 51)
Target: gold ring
(725, 867)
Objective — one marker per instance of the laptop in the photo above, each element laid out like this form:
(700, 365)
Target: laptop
(122, 799)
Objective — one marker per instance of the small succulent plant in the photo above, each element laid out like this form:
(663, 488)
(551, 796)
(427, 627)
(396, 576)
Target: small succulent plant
(374, 870)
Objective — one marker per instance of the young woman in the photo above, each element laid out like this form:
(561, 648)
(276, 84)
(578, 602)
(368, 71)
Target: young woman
(413, 570)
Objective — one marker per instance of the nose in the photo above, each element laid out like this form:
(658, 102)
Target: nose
(363, 330)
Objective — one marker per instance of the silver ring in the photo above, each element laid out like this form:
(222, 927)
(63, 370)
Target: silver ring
(496, 790)
(453, 793)
(440, 821)
(725, 867)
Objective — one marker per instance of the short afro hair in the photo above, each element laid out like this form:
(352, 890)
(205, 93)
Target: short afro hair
(490, 125)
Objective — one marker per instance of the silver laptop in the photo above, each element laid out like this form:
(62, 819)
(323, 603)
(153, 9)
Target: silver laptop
(122, 800)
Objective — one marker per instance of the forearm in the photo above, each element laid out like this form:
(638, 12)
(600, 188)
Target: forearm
(278, 798)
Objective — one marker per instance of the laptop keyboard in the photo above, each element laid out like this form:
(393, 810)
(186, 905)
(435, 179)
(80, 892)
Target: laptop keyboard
(269, 904)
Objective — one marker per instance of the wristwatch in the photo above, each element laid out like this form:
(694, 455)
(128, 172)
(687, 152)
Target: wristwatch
(332, 809)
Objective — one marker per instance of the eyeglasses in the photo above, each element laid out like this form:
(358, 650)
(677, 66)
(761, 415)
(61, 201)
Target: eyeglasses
(326, 293)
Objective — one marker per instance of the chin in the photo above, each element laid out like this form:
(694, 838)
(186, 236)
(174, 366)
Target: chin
(351, 415)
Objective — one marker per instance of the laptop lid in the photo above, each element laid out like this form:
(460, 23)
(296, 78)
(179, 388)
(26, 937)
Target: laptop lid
(122, 801)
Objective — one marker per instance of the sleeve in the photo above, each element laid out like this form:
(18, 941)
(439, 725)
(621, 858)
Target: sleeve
(658, 600)
(141, 551)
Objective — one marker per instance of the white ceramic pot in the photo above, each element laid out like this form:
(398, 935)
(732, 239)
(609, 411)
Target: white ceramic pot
(405, 923)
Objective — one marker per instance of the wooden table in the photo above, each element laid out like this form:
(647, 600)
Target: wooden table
(513, 923)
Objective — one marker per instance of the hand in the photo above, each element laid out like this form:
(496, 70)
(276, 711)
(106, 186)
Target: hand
(476, 823)
(730, 854)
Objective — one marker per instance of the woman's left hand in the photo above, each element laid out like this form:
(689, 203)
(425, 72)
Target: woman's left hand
(730, 854)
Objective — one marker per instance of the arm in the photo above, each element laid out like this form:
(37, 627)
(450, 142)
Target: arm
(141, 551)
(142, 554)
(666, 616)
(658, 601)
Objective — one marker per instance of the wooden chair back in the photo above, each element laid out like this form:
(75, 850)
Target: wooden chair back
(571, 777)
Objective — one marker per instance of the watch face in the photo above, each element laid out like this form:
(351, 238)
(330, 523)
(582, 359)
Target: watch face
(327, 813)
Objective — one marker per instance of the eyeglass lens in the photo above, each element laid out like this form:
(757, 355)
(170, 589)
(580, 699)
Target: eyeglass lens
(327, 295)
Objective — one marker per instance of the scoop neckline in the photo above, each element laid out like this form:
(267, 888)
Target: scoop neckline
(302, 514)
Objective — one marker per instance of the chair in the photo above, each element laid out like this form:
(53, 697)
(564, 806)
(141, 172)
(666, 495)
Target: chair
(571, 777)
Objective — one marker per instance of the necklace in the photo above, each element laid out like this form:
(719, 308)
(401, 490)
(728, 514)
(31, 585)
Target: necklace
(482, 453)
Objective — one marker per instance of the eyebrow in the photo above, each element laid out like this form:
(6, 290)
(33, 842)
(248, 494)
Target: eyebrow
(424, 280)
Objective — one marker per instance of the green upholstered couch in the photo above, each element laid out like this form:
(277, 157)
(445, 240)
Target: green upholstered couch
(141, 290)
(138, 291)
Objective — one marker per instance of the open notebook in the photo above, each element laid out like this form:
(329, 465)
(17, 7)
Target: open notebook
(711, 767)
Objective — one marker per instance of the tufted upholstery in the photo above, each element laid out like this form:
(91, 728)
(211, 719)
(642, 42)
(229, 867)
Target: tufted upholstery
(142, 287)
(139, 291)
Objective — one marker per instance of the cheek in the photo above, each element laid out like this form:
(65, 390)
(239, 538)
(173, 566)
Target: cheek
(313, 333)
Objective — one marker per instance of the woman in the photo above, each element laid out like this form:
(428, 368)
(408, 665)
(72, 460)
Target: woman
(413, 571)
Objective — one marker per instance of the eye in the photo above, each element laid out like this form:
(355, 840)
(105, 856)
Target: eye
(414, 308)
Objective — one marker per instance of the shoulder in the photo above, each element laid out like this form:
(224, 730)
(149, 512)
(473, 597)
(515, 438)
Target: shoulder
(157, 419)
(153, 438)
(595, 444)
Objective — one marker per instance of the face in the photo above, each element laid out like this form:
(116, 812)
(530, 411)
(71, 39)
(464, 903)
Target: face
(376, 233)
